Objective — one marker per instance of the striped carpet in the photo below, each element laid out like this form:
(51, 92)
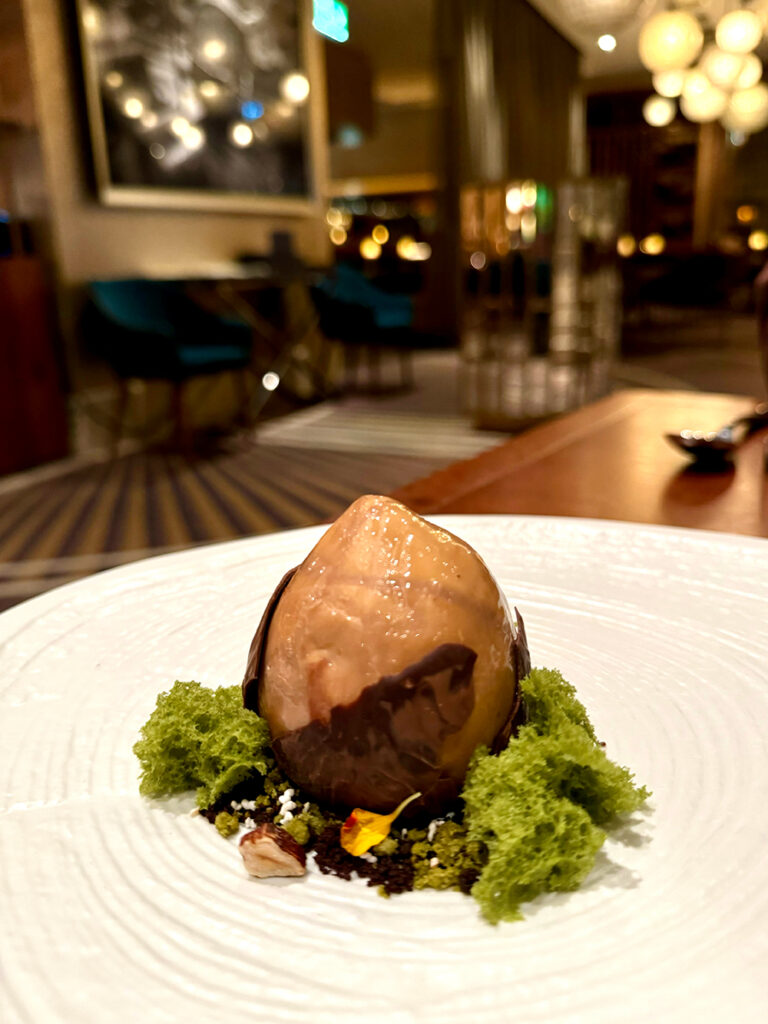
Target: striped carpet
(146, 503)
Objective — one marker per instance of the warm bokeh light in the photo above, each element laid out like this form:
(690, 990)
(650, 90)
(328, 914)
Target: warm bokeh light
(241, 134)
(626, 245)
(670, 40)
(528, 226)
(758, 241)
(404, 245)
(739, 31)
(334, 218)
(180, 126)
(370, 249)
(113, 79)
(380, 234)
(528, 193)
(294, 87)
(270, 381)
(607, 42)
(193, 139)
(92, 21)
(658, 111)
(653, 245)
(209, 90)
(338, 235)
(149, 119)
(746, 214)
(477, 260)
(214, 49)
(133, 107)
(669, 83)
(514, 199)
(407, 248)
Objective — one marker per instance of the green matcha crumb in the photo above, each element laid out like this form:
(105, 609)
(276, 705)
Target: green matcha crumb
(204, 739)
(226, 824)
(297, 828)
(306, 825)
(441, 863)
(386, 847)
(539, 805)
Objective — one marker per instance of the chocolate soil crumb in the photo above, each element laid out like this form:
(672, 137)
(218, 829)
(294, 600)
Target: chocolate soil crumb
(393, 874)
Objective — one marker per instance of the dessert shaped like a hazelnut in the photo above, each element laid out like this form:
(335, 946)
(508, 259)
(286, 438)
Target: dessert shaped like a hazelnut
(384, 660)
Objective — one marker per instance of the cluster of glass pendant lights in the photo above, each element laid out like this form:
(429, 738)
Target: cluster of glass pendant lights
(715, 76)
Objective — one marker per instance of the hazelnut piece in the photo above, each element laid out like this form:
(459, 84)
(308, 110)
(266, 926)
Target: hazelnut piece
(270, 852)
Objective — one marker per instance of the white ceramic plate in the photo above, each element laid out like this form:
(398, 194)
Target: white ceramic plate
(118, 909)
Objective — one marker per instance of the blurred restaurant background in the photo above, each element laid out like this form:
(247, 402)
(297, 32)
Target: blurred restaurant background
(260, 256)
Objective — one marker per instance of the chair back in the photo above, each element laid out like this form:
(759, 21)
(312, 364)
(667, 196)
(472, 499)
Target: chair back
(139, 305)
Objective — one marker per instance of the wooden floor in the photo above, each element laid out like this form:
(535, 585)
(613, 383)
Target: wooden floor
(147, 503)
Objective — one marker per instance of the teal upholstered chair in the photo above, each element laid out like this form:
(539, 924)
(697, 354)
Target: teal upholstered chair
(152, 330)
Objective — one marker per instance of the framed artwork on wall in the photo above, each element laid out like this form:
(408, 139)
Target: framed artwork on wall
(204, 104)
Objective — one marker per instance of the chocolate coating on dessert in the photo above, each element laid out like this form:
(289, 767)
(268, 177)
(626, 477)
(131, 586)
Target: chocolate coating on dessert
(256, 652)
(521, 663)
(376, 751)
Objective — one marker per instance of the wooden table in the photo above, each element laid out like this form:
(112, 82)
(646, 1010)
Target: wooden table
(609, 460)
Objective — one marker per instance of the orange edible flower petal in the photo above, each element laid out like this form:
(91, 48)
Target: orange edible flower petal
(364, 829)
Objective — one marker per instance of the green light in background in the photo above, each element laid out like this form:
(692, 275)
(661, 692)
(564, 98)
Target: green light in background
(331, 19)
(544, 206)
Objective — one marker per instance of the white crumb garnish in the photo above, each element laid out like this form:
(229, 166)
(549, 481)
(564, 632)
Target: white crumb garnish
(433, 828)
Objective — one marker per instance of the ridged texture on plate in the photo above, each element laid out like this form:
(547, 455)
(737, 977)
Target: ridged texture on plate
(115, 908)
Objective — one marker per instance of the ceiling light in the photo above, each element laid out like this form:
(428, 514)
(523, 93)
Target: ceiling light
(607, 42)
(748, 109)
(670, 40)
(703, 105)
(751, 71)
(669, 83)
(720, 67)
(739, 31)
(659, 111)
